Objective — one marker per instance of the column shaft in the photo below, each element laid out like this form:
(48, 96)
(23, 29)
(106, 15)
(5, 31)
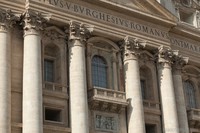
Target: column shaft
(78, 90)
(135, 110)
(32, 85)
(5, 79)
(169, 111)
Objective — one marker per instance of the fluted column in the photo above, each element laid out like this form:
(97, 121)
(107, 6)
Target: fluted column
(7, 19)
(179, 62)
(32, 73)
(168, 101)
(77, 78)
(135, 112)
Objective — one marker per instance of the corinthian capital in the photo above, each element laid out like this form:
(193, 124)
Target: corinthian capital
(79, 31)
(7, 19)
(166, 55)
(178, 63)
(34, 21)
(132, 47)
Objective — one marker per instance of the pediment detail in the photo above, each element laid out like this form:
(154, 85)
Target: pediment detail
(151, 7)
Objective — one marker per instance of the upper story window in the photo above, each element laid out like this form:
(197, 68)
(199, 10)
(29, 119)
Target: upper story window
(99, 71)
(190, 94)
(143, 88)
(49, 70)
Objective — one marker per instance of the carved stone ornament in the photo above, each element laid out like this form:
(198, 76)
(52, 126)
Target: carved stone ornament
(79, 31)
(7, 19)
(106, 123)
(34, 21)
(131, 47)
(53, 34)
(166, 55)
(179, 61)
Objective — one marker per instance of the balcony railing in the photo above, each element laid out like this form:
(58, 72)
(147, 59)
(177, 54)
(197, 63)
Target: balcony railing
(54, 87)
(106, 99)
(151, 107)
(194, 117)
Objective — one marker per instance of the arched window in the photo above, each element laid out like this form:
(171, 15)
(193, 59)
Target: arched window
(190, 94)
(99, 71)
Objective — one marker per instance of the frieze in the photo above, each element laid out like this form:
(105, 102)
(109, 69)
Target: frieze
(178, 42)
(106, 17)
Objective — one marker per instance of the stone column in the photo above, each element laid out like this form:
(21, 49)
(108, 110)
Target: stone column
(135, 110)
(179, 62)
(32, 73)
(168, 101)
(7, 19)
(77, 78)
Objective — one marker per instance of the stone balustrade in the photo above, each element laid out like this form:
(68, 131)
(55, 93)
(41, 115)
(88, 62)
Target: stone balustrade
(54, 87)
(152, 107)
(194, 117)
(106, 99)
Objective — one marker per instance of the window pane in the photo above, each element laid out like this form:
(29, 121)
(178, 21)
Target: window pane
(99, 72)
(143, 88)
(49, 70)
(190, 94)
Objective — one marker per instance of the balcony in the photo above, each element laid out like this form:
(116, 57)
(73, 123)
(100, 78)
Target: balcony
(106, 100)
(194, 117)
(54, 87)
(151, 107)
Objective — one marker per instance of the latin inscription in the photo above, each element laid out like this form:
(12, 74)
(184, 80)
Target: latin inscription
(102, 16)
(184, 44)
(135, 26)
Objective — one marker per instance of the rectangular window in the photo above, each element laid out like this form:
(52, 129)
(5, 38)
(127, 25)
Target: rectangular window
(49, 70)
(53, 114)
(143, 88)
(150, 128)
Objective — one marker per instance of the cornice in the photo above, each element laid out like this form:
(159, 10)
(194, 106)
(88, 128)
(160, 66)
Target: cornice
(186, 30)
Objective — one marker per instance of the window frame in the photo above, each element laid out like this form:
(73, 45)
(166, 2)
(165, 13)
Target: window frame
(106, 70)
(54, 68)
(54, 108)
(188, 98)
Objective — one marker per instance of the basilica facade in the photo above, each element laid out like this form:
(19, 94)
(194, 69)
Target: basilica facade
(99, 66)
